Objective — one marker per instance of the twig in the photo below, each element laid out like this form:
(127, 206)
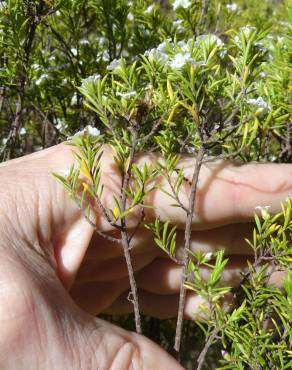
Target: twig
(223, 156)
(202, 15)
(105, 212)
(153, 130)
(137, 226)
(34, 22)
(125, 237)
(182, 295)
(175, 195)
(2, 94)
(91, 223)
(202, 356)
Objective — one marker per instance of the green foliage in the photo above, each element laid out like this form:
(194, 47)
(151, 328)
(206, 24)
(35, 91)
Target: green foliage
(257, 331)
(147, 76)
(164, 236)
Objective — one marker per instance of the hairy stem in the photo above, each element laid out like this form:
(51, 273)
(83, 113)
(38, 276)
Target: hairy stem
(188, 229)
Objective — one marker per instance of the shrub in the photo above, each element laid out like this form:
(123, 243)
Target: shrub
(209, 79)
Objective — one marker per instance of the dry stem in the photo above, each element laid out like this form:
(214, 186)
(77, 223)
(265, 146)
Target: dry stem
(188, 229)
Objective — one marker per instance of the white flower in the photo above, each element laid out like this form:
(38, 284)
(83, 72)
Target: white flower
(159, 53)
(179, 25)
(260, 208)
(114, 64)
(35, 66)
(264, 210)
(105, 56)
(60, 124)
(88, 130)
(155, 54)
(260, 103)
(74, 99)
(262, 74)
(162, 46)
(180, 60)
(225, 354)
(222, 53)
(236, 39)
(89, 79)
(130, 16)
(126, 95)
(232, 7)
(74, 51)
(181, 3)
(208, 256)
(22, 131)
(273, 158)
(247, 30)
(84, 42)
(3, 4)
(149, 9)
(92, 131)
(42, 78)
(183, 45)
(211, 38)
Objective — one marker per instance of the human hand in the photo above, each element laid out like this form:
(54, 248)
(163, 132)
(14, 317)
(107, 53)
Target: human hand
(48, 248)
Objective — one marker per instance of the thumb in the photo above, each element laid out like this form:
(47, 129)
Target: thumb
(41, 211)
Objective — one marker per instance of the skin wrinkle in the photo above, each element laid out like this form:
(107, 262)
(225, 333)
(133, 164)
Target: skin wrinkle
(43, 242)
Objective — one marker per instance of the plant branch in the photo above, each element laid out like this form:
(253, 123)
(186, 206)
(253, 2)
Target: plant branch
(188, 229)
(125, 237)
(202, 356)
(91, 223)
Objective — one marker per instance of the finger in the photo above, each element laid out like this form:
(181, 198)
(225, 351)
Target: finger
(113, 269)
(164, 307)
(230, 238)
(102, 249)
(278, 278)
(104, 261)
(226, 193)
(95, 297)
(163, 276)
